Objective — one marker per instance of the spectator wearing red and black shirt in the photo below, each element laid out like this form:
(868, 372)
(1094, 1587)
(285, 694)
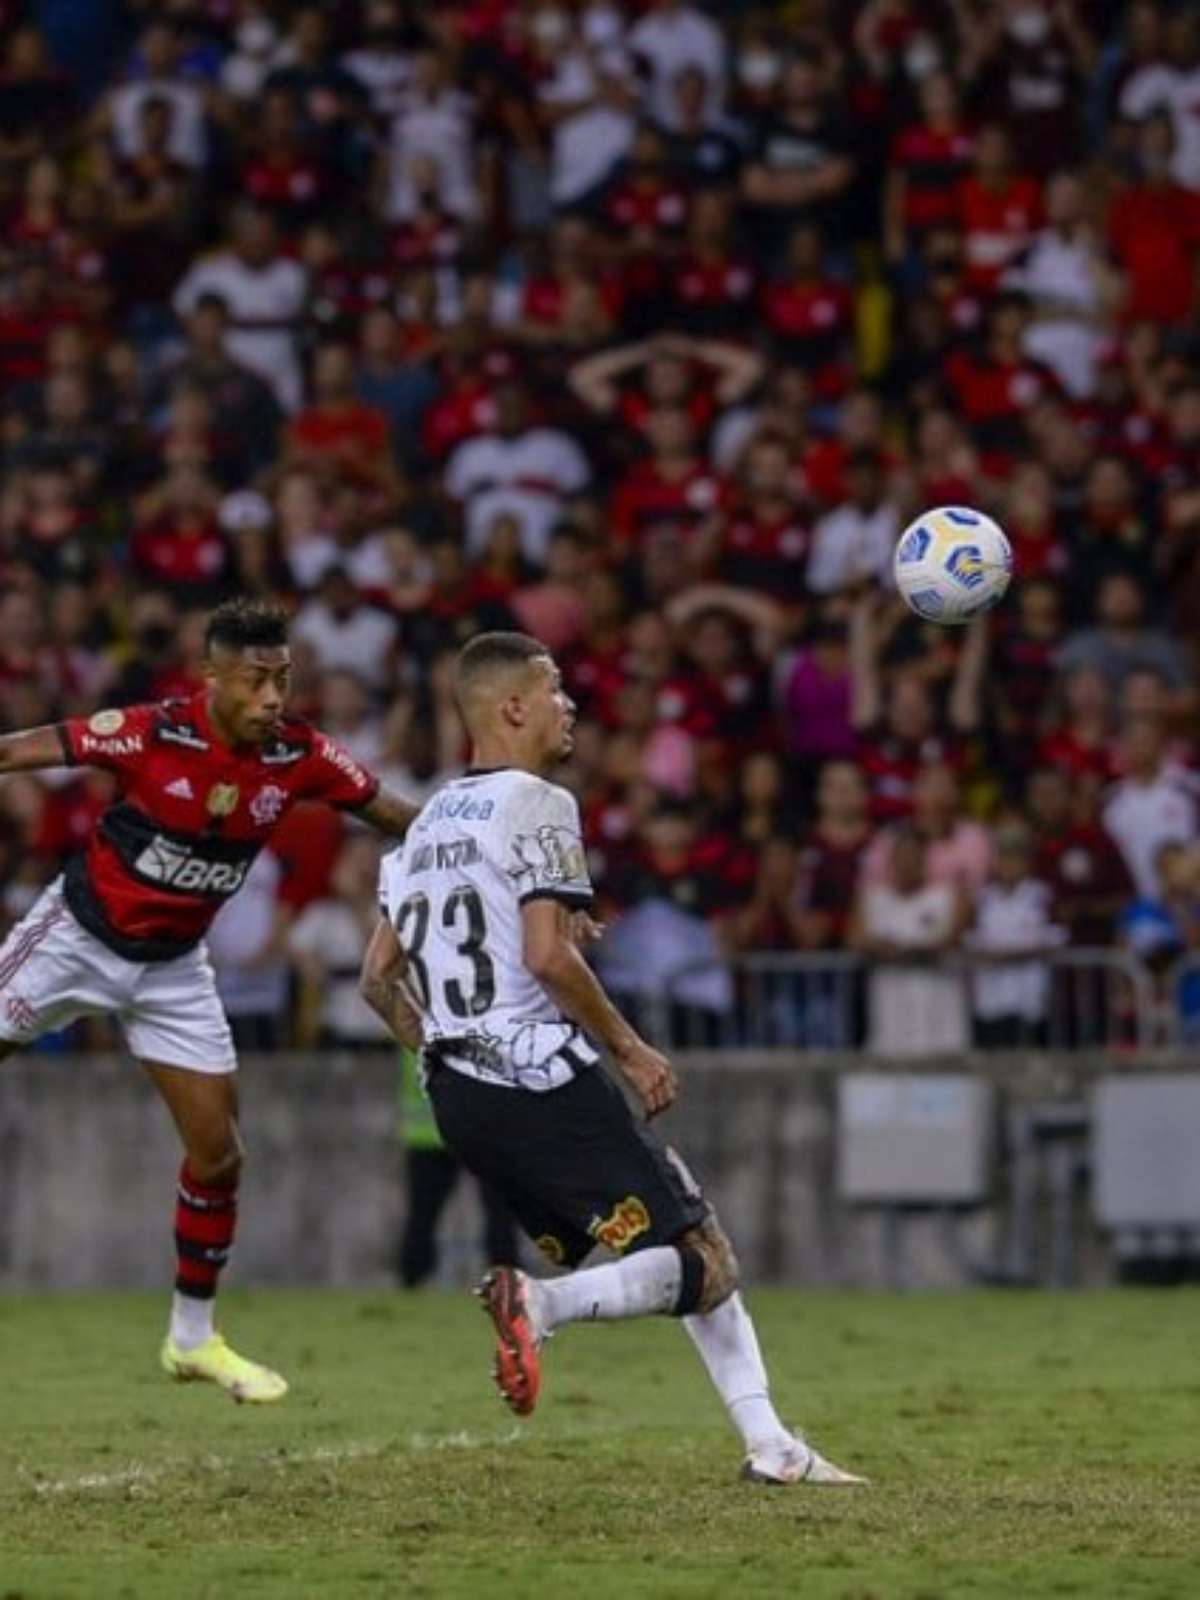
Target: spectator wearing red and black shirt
(1039, 549)
(811, 314)
(343, 286)
(672, 370)
(644, 209)
(999, 210)
(177, 544)
(1154, 230)
(712, 286)
(1025, 668)
(29, 313)
(927, 162)
(675, 487)
(897, 722)
(831, 853)
(766, 533)
(701, 876)
(1077, 856)
(281, 173)
(996, 385)
(803, 892)
(337, 435)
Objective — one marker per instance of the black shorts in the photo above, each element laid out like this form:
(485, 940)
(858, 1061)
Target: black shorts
(574, 1166)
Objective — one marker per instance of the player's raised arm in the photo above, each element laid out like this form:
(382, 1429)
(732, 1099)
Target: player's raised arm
(552, 956)
(34, 749)
(389, 813)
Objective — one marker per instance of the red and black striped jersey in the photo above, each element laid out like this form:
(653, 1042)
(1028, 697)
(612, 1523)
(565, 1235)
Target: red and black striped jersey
(191, 815)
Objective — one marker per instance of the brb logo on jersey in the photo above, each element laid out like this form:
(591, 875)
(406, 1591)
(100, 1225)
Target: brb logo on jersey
(173, 865)
(624, 1223)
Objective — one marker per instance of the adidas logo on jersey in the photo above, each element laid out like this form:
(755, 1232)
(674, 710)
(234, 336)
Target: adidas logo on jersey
(181, 789)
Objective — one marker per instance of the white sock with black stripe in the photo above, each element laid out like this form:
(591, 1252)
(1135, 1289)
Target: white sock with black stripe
(642, 1285)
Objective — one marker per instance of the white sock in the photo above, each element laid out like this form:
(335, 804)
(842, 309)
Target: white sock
(640, 1286)
(728, 1346)
(191, 1320)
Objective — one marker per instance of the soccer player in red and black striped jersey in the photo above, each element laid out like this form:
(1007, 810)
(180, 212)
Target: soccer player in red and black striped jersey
(203, 782)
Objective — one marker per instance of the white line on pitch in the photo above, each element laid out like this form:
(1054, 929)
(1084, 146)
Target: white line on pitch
(138, 1476)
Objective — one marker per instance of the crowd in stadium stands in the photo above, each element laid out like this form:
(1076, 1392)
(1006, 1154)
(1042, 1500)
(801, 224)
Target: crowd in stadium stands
(644, 327)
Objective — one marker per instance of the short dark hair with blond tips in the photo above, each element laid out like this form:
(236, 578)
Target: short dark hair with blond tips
(245, 624)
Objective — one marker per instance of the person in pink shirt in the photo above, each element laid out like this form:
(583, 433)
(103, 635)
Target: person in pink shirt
(957, 851)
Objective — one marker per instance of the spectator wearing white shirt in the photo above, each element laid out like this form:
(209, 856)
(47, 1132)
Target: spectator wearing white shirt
(670, 37)
(1173, 86)
(1153, 804)
(1014, 930)
(247, 947)
(264, 293)
(916, 1005)
(432, 147)
(121, 111)
(856, 539)
(1072, 290)
(256, 40)
(590, 100)
(343, 631)
(379, 64)
(346, 715)
(327, 944)
(520, 469)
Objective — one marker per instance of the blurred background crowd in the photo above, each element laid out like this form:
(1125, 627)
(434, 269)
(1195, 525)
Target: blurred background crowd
(644, 327)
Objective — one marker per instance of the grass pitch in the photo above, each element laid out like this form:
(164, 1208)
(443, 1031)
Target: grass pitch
(1021, 1445)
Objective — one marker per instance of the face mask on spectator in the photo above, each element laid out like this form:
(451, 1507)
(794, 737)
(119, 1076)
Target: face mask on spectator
(759, 69)
(1029, 26)
(921, 58)
(602, 26)
(255, 37)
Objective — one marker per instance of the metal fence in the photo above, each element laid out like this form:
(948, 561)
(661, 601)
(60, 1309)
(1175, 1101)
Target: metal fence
(1090, 999)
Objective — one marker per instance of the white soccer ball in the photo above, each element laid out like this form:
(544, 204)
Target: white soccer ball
(952, 563)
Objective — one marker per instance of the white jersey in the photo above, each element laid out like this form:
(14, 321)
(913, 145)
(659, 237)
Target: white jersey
(483, 846)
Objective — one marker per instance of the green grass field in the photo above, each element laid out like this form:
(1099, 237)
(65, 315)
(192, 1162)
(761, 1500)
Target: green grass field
(1021, 1445)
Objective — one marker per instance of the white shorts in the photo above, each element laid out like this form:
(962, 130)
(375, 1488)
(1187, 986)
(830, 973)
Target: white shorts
(52, 971)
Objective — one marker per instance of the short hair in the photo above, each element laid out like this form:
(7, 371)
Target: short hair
(244, 624)
(490, 653)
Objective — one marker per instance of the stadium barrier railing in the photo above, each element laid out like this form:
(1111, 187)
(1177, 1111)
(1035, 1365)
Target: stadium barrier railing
(1095, 998)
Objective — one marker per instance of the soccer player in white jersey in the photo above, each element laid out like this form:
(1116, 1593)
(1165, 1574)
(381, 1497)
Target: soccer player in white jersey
(476, 962)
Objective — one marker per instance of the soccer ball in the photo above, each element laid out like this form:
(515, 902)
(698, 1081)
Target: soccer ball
(951, 564)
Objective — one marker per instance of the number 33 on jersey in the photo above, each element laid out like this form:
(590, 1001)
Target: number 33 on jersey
(482, 846)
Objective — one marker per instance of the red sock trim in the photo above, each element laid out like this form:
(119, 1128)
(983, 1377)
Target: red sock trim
(205, 1220)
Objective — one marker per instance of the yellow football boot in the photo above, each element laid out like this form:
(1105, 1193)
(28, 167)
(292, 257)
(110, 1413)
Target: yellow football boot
(215, 1362)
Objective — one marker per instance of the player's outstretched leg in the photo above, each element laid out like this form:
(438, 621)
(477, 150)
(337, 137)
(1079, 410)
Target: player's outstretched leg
(728, 1346)
(525, 1310)
(695, 1279)
(204, 1107)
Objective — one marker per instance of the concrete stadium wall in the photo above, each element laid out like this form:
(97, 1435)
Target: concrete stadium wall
(88, 1159)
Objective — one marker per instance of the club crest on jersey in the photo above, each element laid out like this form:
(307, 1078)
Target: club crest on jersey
(552, 1248)
(624, 1223)
(267, 805)
(106, 722)
(222, 799)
